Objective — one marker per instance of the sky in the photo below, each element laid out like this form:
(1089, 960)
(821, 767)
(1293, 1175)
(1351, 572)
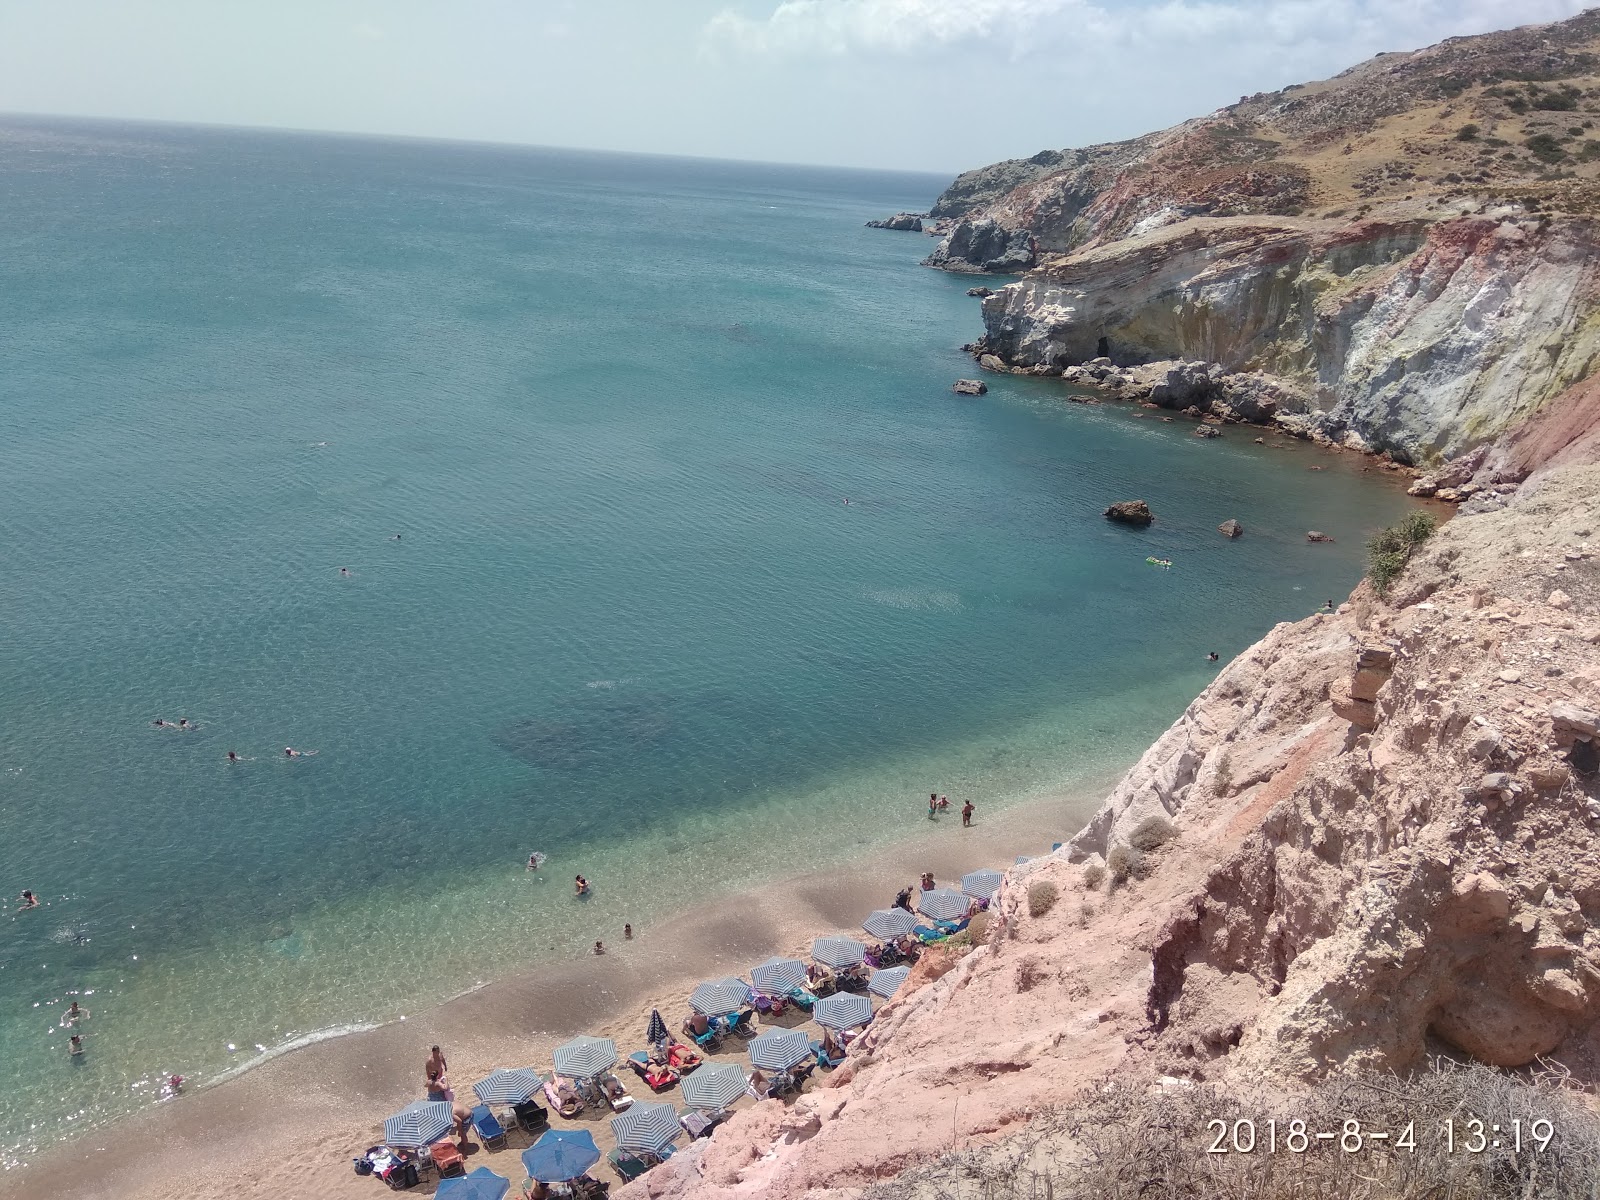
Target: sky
(936, 85)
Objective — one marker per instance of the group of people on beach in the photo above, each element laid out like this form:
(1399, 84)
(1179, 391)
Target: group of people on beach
(938, 804)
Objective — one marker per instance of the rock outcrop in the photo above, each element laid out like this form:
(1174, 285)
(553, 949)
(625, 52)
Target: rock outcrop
(969, 387)
(1130, 512)
(906, 222)
(1406, 252)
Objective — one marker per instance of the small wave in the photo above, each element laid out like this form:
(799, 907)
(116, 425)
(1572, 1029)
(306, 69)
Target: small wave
(907, 598)
(288, 1047)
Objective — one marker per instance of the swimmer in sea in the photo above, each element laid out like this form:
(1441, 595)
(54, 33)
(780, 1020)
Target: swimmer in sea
(395, 538)
(1212, 657)
(183, 723)
(232, 757)
(291, 752)
(159, 723)
(535, 860)
(74, 1014)
(75, 1046)
(599, 947)
(29, 900)
(580, 886)
(345, 571)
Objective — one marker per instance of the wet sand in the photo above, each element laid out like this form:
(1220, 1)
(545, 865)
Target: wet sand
(291, 1126)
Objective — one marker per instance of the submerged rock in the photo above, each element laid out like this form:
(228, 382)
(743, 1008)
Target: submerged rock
(1316, 535)
(1130, 512)
(969, 387)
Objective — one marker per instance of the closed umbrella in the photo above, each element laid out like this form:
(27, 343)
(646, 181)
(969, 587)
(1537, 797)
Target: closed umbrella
(889, 923)
(585, 1056)
(779, 1049)
(942, 904)
(982, 884)
(482, 1184)
(779, 976)
(658, 1029)
(718, 998)
(843, 1011)
(646, 1126)
(419, 1124)
(838, 951)
(887, 982)
(508, 1087)
(560, 1155)
(714, 1086)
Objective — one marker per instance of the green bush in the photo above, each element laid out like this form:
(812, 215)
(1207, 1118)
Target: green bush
(1041, 897)
(1124, 863)
(1093, 876)
(1390, 549)
(1546, 147)
(1467, 133)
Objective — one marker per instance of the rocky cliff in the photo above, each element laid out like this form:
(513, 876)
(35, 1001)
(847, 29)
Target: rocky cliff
(1407, 249)
(1376, 835)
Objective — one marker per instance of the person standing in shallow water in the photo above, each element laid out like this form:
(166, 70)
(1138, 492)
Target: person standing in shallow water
(966, 814)
(933, 805)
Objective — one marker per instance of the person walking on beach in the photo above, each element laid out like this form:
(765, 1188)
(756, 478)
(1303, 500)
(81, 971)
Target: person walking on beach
(436, 1065)
(966, 814)
(927, 881)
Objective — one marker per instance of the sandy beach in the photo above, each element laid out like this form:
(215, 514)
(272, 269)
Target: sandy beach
(289, 1127)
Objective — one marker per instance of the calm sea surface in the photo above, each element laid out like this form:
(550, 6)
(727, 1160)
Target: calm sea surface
(581, 428)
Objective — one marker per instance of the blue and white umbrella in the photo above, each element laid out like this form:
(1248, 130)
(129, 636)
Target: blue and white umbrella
(419, 1124)
(714, 1086)
(982, 884)
(560, 1155)
(508, 1087)
(657, 1032)
(779, 1049)
(887, 982)
(719, 997)
(584, 1056)
(838, 951)
(942, 904)
(779, 976)
(482, 1184)
(889, 923)
(646, 1126)
(842, 1011)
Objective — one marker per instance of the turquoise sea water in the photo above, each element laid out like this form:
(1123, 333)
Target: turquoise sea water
(613, 407)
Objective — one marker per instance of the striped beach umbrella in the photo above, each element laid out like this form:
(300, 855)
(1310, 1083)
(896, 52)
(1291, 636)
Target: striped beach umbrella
(419, 1124)
(658, 1029)
(887, 982)
(842, 1011)
(714, 1086)
(646, 1126)
(560, 1155)
(982, 884)
(719, 997)
(779, 976)
(838, 951)
(889, 923)
(779, 1049)
(584, 1056)
(508, 1087)
(482, 1184)
(942, 904)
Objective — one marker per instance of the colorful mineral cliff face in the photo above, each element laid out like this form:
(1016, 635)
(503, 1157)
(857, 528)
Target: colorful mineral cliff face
(1408, 247)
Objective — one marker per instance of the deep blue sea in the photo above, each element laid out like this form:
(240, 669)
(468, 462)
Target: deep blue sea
(581, 429)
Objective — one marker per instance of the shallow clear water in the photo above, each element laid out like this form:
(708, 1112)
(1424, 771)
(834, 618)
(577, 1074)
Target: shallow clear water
(613, 407)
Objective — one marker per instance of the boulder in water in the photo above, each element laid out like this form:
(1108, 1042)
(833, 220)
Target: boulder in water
(969, 387)
(908, 222)
(1206, 431)
(1316, 535)
(1130, 512)
(1230, 528)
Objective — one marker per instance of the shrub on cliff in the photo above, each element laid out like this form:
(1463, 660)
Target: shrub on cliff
(1124, 863)
(1151, 833)
(1093, 876)
(1390, 549)
(1467, 132)
(1041, 897)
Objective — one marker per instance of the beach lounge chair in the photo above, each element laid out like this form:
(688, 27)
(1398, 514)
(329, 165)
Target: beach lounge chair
(822, 1057)
(564, 1096)
(532, 1116)
(488, 1128)
(771, 1005)
(682, 1059)
(447, 1158)
(698, 1123)
(709, 1040)
(615, 1094)
(658, 1075)
(802, 999)
(744, 1025)
(628, 1165)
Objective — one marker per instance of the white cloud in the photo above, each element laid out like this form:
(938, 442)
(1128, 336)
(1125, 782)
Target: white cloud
(1020, 28)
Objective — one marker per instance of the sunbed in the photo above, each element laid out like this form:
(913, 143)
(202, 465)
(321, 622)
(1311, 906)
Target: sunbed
(658, 1075)
(822, 1057)
(532, 1116)
(447, 1158)
(681, 1058)
(709, 1040)
(488, 1128)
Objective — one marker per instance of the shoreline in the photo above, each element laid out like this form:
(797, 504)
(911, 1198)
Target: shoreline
(295, 1119)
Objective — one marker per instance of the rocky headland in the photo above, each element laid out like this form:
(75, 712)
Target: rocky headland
(1402, 257)
(1374, 840)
